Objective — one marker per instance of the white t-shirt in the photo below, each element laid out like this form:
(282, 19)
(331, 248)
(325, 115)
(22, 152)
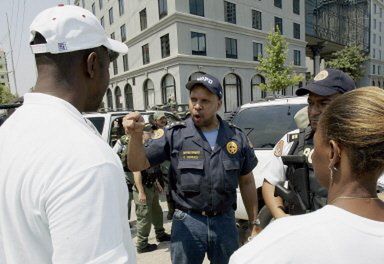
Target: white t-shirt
(274, 168)
(63, 197)
(329, 235)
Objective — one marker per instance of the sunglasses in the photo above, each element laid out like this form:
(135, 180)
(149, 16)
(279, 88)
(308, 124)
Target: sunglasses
(112, 55)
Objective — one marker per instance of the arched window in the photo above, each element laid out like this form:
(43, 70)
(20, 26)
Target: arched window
(149, 94)
(168, 88)
(109, 99)
(378, 84)
(195, 75)
(118, 99)
(128, 96)
(232, 92)
(373, 83)
(256, 92)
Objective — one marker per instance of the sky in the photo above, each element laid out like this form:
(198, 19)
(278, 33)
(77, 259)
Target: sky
(20, 15)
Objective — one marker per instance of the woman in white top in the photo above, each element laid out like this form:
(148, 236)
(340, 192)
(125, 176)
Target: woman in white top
(348, 159)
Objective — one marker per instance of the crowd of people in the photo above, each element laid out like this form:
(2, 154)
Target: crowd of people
(65, 196)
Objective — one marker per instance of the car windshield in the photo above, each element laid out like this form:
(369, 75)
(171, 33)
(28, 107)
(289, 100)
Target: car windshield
(265, 125)
(98, 122)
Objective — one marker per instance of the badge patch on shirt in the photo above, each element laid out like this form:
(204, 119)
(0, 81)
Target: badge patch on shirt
(159, 133)
(293, 137)
(232, 147)
(279, 148)
(192, 155)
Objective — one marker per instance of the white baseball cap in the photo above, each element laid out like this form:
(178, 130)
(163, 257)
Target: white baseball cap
(68, 28)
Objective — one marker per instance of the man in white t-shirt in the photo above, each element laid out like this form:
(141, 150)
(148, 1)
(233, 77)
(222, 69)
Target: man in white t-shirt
(63, 197)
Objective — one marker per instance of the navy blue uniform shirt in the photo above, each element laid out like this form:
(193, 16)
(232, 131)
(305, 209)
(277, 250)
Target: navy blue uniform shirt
(202, 178)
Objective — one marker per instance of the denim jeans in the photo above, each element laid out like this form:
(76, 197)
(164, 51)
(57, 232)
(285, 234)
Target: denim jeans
(193, 235)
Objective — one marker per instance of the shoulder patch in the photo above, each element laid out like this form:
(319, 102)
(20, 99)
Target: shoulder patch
(176, 124)
(159, 133)
(292, 137)
(279, 148)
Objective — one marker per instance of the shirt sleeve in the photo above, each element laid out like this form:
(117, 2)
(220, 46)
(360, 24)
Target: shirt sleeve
(250, 160)
(274, 168)
(86, 214)
(157, 150)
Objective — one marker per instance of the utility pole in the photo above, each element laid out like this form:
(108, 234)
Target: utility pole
(13, 63)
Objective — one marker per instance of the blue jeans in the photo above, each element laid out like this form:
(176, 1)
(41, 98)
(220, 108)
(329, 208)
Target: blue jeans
(193, 235)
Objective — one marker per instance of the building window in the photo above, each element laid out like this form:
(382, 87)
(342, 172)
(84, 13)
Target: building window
(143, 19)
(121, 7)
(256, 20)
(230, 12)
(378, 69)
(374, 39)
(115, 68)
(256, 92)
(277, 3)
(165, 49)
(297, 57)
(296, 6)
(198, 43)
(149, 94)
(232, 92)
(125, 62)
(93, 9)
(123, 33)
(145, 51)
(231, 48)
(380, 24)
(168, 89)
(128, 96)
(374, 53)
(257, 51)
(196, 7)
(109, 99)
(163, 9)
(110, 12)
(118, 98)
(373, 69)
(296, 31)
(102, 22)
(113, 35)
(101, 4)
(279, 24)
(83, 3)
(374, 23)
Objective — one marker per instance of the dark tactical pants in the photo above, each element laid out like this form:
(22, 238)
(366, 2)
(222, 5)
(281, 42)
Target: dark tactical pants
(147, 214)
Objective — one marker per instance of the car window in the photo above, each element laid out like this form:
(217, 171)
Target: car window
(98, 122)
(265, 125)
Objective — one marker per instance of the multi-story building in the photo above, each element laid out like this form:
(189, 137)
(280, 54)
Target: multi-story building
(375, 65)
(4, 80)
(173, 41)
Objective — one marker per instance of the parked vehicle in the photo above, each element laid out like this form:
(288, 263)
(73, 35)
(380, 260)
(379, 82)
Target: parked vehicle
(265, 122)
(104, 122)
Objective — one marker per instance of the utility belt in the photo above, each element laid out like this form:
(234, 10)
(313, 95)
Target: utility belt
(200, 212)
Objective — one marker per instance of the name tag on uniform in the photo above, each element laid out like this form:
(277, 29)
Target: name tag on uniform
(191, 155)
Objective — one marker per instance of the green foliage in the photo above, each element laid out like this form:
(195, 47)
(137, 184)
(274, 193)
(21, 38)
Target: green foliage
(349, 60)
(5, 95)
(278, 75)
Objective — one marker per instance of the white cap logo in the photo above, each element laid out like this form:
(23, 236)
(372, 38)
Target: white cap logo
(205, 79)
(321, 75)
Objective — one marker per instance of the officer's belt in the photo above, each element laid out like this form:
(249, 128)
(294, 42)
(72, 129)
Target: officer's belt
(204, 213)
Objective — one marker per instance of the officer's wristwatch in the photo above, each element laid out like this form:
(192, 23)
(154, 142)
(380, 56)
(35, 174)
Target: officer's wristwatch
(255, 222)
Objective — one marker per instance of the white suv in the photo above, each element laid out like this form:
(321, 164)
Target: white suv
(265, 122)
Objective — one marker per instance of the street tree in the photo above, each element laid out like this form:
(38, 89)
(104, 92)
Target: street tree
(350, 59)
(5, 95)
(273, 66)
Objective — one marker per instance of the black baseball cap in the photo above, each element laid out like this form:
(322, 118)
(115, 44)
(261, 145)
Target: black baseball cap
(209, 82)
(328, 82)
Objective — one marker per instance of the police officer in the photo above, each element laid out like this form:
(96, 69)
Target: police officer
(148, 210)
(327, 85)
(209, 159)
